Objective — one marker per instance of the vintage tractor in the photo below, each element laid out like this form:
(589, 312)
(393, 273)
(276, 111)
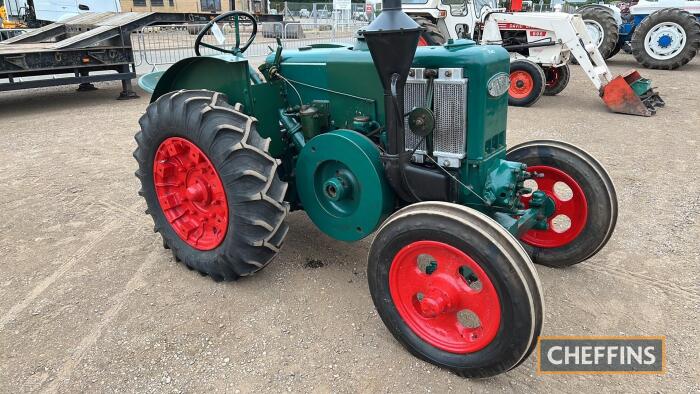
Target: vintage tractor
(384, 138)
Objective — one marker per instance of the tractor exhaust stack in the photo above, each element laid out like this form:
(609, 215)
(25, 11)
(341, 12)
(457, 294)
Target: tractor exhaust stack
(392, 40)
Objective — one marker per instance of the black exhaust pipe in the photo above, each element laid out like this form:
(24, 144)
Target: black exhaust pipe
(392, 40)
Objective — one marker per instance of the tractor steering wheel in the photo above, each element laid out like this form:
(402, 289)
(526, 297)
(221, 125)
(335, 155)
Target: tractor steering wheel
(237, 50)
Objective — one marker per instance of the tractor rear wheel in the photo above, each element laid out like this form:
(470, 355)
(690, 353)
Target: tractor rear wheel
(455, 289)
(557, 78)
(602, 27)
(431, 35)
(527, 83)
(210, 184)
(666, 39)
(584, 198)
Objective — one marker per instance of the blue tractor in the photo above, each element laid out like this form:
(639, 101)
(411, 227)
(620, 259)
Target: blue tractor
(661, 34)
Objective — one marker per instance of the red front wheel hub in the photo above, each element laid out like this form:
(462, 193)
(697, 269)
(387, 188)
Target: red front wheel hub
(570, 208)
(521, 84)
(190, 193)
(445, 297)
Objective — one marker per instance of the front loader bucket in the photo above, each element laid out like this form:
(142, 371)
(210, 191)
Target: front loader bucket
(631, 94)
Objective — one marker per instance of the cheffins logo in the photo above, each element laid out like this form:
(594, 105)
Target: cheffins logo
(601, 355)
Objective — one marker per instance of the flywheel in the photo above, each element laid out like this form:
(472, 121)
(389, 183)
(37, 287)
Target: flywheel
(340, 182)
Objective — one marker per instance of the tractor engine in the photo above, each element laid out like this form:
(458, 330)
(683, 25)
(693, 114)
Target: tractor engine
(446, 141)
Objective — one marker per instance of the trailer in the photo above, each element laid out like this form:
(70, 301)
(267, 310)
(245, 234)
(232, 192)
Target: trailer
(86, 48)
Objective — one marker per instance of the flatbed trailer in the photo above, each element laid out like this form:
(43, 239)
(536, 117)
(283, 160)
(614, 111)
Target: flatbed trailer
(79, 50)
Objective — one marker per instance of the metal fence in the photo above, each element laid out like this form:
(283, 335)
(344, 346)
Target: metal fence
(547, 7)
(161, 46)
(317, 12)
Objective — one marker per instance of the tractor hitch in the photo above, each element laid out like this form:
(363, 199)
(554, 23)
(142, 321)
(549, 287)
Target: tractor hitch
(631, 94)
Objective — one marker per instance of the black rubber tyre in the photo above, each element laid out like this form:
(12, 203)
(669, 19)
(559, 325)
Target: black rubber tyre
(617, 49)
(502, 259)
(530, 94)
(597, 188)
(603, 17)
(431, 34)
(254, 192)
(557, 78)
(682, 18)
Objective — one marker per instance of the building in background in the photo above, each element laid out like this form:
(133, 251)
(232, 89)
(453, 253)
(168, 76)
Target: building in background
(215, 6)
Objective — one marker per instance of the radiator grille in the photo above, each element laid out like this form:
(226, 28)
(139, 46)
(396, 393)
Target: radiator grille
(450, 117)
(414, 96)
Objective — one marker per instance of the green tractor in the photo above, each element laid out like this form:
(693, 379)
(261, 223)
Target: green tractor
(379, 137)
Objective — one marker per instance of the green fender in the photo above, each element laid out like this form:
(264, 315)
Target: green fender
(225, 74)
(230, 75)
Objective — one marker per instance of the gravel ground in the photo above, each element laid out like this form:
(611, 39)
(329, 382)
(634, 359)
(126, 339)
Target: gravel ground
(89, 300)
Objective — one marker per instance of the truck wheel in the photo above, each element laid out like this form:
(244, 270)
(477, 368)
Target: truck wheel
(666, 39)
(210, 184)
(557, 78)
(431, 35)
(602, 27)
(584, 197)
(455, 289)
(527, 83)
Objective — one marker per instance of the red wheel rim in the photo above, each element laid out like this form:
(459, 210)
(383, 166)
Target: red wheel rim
(521, 84)
(573, 206)
(552, 76)
(433, 302)
(190, 193)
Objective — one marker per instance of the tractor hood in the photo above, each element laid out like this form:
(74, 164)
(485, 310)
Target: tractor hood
(346, 76)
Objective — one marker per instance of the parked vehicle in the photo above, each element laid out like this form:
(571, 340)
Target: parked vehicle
(660, 34)
(540, 46)
(37, 13)
(223, 155)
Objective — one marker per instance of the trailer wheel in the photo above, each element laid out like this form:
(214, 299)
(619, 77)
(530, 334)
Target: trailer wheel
(210, 185)
(455, 289)
(527, 83)
(431, 35)
(666, 39)
(585, 202)
(602, 27)
(557, 79)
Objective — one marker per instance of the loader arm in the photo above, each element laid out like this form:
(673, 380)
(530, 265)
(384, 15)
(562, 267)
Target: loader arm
(570, 32)
(629, 93)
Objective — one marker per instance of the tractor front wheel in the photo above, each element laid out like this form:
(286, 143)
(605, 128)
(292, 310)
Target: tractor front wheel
(527, 83)
(210, 184)
(455, 289)
(557, 79)
(585, 202)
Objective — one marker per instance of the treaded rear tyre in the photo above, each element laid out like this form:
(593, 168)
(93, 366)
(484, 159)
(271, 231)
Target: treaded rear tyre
(687, 21)
(254, 193)
(603, 17)
(431, 35)
(505, 265)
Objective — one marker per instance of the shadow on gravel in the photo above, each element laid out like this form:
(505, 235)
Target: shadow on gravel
(630, 62)
(45, 100)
